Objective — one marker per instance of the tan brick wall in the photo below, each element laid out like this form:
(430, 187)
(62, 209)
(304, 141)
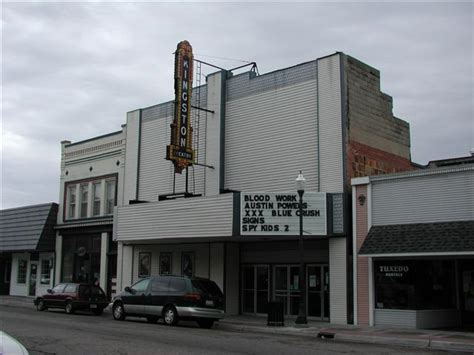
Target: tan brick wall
(369, 112)
(362, 262)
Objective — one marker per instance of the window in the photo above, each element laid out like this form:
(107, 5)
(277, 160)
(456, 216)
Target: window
(97, 192)
(71, 193)
(59, 288)
(110, 196)
(145, 264)
(45, 272)
(84, 190)
(141, 286)
(91, 197)
(178, 285)
(414, 284)
(160, 284)
(22, 267)
(165, 263)
(70, 288)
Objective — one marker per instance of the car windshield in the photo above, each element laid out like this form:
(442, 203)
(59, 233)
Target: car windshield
(206, 286)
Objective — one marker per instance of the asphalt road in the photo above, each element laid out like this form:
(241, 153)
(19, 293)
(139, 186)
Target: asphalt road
(54, 332)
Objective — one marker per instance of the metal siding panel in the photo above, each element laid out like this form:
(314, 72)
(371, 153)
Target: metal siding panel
(155, 172)
(430, 198)
(330, 125)
(202, 217)
(272, 131)
(395, 318)
(338, 281)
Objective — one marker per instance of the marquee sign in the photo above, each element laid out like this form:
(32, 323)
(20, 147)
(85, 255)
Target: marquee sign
(278, 214)
(180, 150)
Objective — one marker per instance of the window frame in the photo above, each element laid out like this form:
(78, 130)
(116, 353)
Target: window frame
(110, 182)
(48, 268)
(142, 259)
(84, 202)
(73, 185)
(95, 184)
(25, 271)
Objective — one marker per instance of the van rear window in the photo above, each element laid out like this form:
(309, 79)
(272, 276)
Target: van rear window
(206, 286)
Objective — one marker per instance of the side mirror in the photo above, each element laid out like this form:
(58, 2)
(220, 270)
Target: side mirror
(128, 289)
(49, 290)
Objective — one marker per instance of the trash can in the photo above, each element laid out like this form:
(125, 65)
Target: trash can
(275, 314)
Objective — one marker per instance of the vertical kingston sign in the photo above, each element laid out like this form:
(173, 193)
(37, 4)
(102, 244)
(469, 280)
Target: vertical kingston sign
(180, 149)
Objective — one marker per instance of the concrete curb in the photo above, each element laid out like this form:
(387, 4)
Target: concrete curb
(451, 346)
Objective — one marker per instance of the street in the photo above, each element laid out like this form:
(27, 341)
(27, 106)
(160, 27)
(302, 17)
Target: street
(54, 332)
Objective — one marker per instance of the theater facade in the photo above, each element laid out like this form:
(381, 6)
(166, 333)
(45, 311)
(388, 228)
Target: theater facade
(213, 194)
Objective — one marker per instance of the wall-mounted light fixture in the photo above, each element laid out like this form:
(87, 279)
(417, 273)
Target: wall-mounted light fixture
(361, 199)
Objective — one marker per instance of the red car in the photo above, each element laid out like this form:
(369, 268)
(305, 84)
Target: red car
(72, 297)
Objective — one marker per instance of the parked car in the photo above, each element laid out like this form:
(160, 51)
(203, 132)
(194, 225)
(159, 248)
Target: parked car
(171, 298)
(11, 346)
(72, 297)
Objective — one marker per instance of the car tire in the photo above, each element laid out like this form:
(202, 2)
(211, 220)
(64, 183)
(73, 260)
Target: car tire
(152, 319)
(41, 306)
(170, 316)
(205, 323)
(98, 311)
(118, 311)
(69, 308)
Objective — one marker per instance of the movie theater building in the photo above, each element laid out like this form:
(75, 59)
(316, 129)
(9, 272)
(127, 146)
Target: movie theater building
(414, 241)
(232, 215)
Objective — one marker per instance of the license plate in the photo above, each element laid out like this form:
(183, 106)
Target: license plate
(93, 306)
(209, 303)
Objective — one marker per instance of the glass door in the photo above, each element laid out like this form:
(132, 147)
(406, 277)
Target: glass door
(287, 288)
(255, 289)
(33, 276)
(318, 291)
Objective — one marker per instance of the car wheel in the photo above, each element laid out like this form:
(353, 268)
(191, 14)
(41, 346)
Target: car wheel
(170, 316)
(69, 307)
(152, 319)
(98, 311)
(118, 311)
(41, 306)
(205, 323)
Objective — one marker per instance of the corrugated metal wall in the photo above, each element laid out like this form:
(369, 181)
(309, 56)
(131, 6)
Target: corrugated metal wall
(183, 218)
(337, 281)
(271, 130)
(155, 172)
(395, 318)
(330, 125)
(427, 198)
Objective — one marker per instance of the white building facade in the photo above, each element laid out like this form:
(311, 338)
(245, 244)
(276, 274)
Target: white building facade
(252, 138)
(90, 189)
(414, 242)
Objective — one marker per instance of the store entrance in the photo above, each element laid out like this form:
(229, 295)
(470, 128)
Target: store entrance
(317, 284)
(255, 289)
(287, 288)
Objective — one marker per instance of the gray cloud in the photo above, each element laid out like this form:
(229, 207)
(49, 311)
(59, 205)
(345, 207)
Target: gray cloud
(73, 70)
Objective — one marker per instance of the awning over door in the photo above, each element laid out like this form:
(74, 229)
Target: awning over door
(455, 237)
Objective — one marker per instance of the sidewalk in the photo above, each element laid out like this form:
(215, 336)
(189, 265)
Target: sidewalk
(417, 338)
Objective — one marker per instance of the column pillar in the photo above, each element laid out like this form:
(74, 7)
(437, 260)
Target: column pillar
(104, 247)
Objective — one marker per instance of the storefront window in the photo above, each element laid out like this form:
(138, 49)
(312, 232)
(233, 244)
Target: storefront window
(414, 284)
(81, 259)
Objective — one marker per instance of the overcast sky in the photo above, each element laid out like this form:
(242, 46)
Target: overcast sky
(72, 70)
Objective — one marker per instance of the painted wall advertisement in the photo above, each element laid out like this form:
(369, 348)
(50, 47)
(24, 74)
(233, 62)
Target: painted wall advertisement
(278, 214)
